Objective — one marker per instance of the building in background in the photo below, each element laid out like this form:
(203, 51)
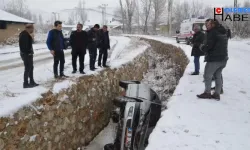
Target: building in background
(10, 26)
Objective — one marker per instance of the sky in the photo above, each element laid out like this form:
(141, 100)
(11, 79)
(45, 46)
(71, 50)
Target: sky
(56, 5)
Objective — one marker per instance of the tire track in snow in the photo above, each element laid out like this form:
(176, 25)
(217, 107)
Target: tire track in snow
(37, 61)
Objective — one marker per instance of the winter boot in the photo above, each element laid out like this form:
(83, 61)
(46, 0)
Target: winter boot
(74, 71)
(205, 96)
(221, 92)
(195, 73)
(33, 84)
(26, 85)
(82, 72)
(109, 147)
(216, 96)
(62, 75)
(56, 76)
(105, 66)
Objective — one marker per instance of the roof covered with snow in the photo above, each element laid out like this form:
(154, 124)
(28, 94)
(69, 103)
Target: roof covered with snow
(5, 16)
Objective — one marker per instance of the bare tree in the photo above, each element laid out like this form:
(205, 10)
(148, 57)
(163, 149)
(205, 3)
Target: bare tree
(34, 18)
(70, 21)
(170, 7)
(122, 11)
(186, 10)
(81, 11)
(181, 11)
(130, 7)
(197, 8)
(28, 15)
(159, 7)
(208, 12)
(17, 7)
(137, 16)
(41, 19)
(146, 6)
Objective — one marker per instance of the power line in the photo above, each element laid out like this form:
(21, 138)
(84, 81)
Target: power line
(103, 7)
(92, 9)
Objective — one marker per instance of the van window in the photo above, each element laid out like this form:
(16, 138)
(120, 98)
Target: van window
(3, 25)
(200, 24)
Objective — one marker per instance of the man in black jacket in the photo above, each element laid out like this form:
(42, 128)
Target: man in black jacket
(56, 45)
(26, 52)
(216, 57)
(78, 42)
(197, 40)
(93, 44)
(104, 46)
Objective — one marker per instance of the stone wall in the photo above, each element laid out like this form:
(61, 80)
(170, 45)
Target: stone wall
(73, 117)
(12, 31)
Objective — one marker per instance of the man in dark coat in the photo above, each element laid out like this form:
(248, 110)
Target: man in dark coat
(104, 46)
(26, 52)
(216, 58)
(78, 42)
(93, 44)
(56, 45)
(197, 40)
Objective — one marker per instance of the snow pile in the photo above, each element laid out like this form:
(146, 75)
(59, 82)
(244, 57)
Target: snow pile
(61, 86)
(161, 75)
(128, 52)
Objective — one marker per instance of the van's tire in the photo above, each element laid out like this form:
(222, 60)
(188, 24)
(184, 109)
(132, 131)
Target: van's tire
(187, 41)
(177, 40)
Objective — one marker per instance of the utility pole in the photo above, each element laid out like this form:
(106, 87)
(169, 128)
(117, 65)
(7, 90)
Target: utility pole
(138, 9)
(234, 23)
(54, 13)
(103, 7)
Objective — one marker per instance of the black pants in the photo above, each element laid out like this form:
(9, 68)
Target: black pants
(59, 57)
(92, 55)
(103, 54)
(81, 56)
(28, 68)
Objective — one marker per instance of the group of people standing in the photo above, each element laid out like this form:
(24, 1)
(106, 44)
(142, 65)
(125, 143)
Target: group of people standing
(80, 41)
(213, 44)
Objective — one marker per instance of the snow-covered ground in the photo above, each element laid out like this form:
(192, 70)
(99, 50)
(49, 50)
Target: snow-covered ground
(190, 123)
(13, 96)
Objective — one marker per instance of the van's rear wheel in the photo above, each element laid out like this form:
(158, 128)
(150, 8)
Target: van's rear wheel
(187, 41)
(177, 40)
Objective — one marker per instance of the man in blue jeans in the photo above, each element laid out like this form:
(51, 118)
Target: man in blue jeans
(55, 43)
(197, 40)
